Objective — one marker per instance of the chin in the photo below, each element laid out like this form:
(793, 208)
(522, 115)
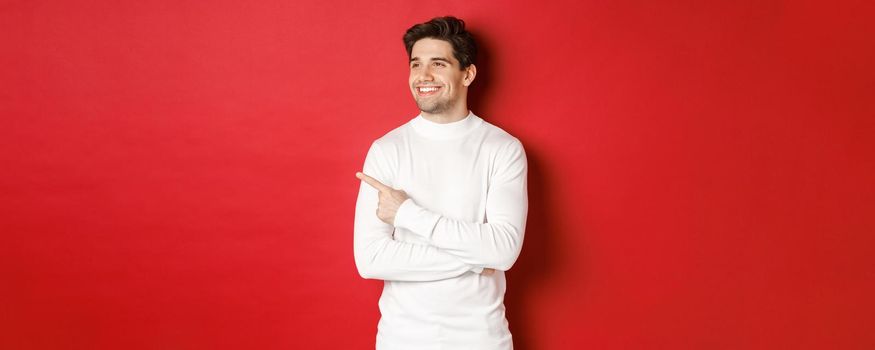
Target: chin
(429, 109)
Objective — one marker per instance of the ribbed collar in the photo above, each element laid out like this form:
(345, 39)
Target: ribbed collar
(437, 131)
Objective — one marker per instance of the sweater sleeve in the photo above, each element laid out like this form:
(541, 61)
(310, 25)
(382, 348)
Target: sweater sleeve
(378, 255)
(497, 242)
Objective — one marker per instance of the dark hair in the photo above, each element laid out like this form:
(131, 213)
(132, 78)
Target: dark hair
(449, 29)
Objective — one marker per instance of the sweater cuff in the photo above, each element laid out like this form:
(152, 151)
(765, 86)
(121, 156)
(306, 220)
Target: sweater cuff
(416, 219)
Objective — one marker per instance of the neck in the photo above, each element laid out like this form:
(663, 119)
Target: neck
(453, 115)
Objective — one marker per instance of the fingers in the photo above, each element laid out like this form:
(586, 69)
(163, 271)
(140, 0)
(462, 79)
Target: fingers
(373, 182)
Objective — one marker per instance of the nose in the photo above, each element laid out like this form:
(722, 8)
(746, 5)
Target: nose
(426, 73)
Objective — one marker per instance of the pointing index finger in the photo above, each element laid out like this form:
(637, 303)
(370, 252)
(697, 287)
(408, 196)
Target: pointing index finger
(373, 182)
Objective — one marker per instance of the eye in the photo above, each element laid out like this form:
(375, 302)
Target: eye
(414, 65)
(439, 64)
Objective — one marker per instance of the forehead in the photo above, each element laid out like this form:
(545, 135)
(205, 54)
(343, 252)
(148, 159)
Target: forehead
(429, 48)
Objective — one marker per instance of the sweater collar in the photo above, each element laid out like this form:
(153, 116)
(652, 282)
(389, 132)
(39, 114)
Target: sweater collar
(432, 130)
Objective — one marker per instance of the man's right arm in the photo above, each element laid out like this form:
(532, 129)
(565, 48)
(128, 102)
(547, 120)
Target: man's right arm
(378, 255)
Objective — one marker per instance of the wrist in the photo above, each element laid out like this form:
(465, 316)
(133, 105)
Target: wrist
(403, 212)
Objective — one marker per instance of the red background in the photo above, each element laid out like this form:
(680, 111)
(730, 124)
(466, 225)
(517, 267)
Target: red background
(179, 174)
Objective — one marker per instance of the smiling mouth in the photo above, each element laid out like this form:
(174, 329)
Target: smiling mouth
(427, 90)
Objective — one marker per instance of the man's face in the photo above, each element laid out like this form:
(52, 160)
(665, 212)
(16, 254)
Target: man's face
(437, 83)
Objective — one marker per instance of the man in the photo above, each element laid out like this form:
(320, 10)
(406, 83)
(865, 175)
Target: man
(441, 212)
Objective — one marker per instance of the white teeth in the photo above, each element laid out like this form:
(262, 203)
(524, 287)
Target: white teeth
(428, 89)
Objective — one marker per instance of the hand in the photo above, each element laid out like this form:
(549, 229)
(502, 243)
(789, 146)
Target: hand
(487, 271)
(390, 199)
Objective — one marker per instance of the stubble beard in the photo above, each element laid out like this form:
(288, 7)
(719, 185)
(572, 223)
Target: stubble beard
(434, 107)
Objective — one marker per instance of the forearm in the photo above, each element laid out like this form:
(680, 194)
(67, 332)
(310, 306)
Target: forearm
(388, 259)
(493, 245)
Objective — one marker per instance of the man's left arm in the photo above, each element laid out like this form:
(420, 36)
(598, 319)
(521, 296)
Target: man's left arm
(497, 242)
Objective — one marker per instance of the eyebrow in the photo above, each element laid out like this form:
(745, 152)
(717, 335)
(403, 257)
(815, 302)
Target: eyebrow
(433, 59)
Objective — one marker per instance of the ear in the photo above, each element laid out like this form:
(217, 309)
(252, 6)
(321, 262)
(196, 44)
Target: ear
(470, 73)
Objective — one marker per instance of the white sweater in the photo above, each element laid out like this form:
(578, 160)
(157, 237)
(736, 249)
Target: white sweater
(467, 211)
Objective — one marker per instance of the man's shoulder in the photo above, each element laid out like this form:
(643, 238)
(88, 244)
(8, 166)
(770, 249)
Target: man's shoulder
(394, 137)
(396, 134)
(499, 137)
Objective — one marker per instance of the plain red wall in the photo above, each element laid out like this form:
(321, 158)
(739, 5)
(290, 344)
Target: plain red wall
(179, 174)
